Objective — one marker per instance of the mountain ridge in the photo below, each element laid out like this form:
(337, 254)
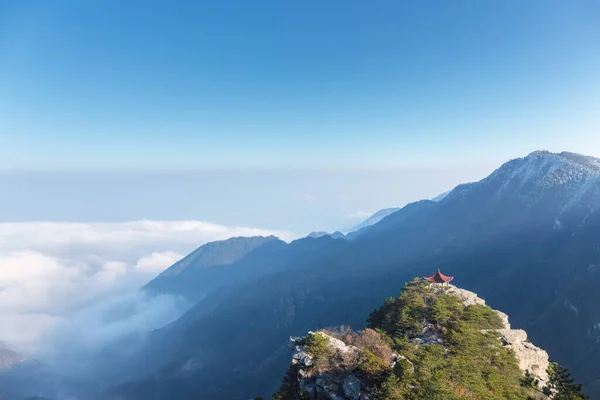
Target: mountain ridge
(543, 171)
(211, 254)
(215, 265)
(528, 265)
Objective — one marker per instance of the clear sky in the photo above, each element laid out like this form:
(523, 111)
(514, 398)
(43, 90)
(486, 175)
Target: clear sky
(157, 87)
(186, 84)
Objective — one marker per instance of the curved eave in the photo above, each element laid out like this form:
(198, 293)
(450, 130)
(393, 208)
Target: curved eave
(438, 277)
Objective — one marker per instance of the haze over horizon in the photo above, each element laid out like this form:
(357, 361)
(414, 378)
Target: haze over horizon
(234, 113)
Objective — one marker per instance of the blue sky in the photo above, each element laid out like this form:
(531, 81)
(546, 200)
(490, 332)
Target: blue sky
(187, 84)
(169, 86)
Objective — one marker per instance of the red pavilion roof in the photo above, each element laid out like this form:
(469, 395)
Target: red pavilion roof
(438, 277)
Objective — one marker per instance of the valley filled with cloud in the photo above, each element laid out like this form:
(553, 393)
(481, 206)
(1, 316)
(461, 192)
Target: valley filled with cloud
(78, 283)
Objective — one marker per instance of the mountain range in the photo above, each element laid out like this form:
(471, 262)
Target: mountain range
(526, 238)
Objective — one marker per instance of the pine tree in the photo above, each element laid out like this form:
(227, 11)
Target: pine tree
(561, 386)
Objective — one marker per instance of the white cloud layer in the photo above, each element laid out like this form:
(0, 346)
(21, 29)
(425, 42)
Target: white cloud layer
(57, 279)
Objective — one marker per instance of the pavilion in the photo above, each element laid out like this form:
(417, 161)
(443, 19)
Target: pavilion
(438, 277)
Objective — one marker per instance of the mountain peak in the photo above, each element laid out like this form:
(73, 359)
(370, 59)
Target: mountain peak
(548, 169)
(560, 186)
(567, 158)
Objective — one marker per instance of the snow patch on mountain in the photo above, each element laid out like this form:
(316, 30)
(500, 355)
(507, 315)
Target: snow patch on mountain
(573, 179)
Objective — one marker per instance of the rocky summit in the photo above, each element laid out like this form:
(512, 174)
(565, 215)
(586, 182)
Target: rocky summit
(432, 342)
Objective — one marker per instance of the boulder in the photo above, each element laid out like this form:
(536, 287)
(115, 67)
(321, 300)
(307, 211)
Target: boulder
(302, 357)
(403, 360)
(467, 297)
(337, 344)
(429, 336)
(334, 392)
(303, 374)
(351, 387)
(511, 336)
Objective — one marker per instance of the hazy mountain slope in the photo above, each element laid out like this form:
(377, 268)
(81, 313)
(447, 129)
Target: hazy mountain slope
(375, 218)
(217, 264)
(335, 235)
(174, 341)
(318, 234)
(440, 196)
(338, 235)
(381, 214)
(221, 252)
(395, 219)
(499, 237)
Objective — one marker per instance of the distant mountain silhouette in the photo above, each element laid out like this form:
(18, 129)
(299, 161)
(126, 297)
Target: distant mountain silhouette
(338, 235)
(525, 238)
(217, 253)
(440, 196)
(381, 214)
(375, 218)
(317, 234)
(216, 264)
(335, 235)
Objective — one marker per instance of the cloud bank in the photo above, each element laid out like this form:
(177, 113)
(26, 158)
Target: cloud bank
(58, 281)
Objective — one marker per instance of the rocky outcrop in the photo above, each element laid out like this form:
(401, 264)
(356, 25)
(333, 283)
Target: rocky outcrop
(429, 336)
(333, 386)
(346, 385)
(530, 357)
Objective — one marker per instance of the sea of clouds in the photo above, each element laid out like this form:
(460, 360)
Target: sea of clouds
(77, 284)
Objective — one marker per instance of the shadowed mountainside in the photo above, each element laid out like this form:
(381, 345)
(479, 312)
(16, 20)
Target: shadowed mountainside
(524, 238)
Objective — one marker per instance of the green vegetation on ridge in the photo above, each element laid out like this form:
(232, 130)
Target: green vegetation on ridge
(446, 351)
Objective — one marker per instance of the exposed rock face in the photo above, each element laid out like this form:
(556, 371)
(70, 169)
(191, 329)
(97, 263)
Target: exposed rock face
(338, 345)
(325, 385)
(531, 358)
(430, 336)
(468, 298)
(302, 357)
